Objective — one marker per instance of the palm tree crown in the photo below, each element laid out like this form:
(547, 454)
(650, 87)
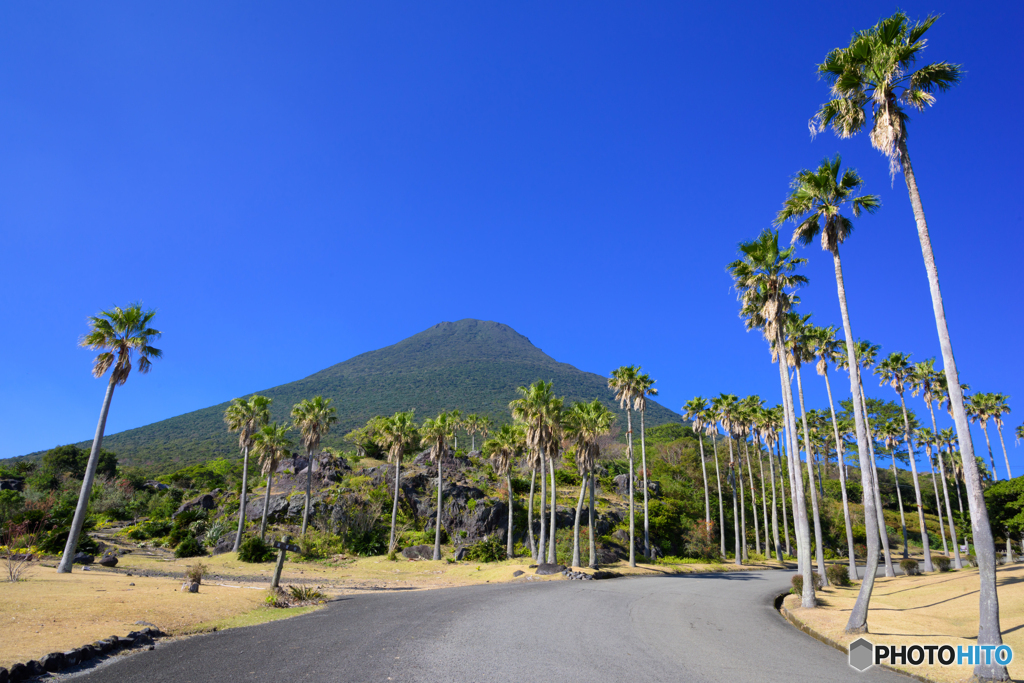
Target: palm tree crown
(120, 332)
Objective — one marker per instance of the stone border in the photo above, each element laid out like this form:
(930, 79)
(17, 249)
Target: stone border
(801, 626)
(57, 661)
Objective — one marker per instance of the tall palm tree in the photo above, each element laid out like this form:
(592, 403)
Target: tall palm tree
(930, 440)
(766, 432)
(625, 382)
(313, 418)
(746, 409)
(584, 424)
(1000, 408)
(397, 434)
(773, 427)
(645, 388)
(890, 433)
(270, 445)
(476, 424)
(753, 407)
(764, 277)
(503, 448)
(980, 408)
(875, 73)
(827, 350)
(949, 439)
(711, 429)
(533, 408)
(694, 411)
(815, 204)
(553, 416)
(725, 409)
(116, 334)
(896, 371)
(436, 432)
(455, 423)
(246, 417)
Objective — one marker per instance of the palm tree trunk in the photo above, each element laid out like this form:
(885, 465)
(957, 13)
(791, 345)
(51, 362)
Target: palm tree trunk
(842, 480)
(721, 509)
(917, 490)
(704, 473)
(643, 465)
(984, 429)
(899, 499)
(509, 546)
(882, 532)
(938, 501)
(793, 507)
(753, 499)
(819, 551)
(394, 507)
(958, 563)
(309, 487)
(764, 498)
(437, 526)
(743, 505)
(542, 545)
(266, 504)
(529, 514)
(988, 628)
(576, 526)
(242, 498)
(1006, 456)
(782, 491)
(551, 535)
(591, 523)
(738, 549)
(775, 507)
(82, 509)
(632, 526)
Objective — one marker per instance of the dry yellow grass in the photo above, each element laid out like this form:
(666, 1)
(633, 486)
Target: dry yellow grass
(940, 609)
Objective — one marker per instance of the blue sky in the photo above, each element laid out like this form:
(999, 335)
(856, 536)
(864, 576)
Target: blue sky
(293, 184)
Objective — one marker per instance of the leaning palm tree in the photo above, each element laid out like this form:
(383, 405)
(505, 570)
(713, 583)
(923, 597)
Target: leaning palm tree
(436, 432)
(584, 424)
(533, 408)
(896, 371)
(397, 434)
(270, 445)
(625, 382)
(117, 334)
(815, 205)
(645, 388)
(694, 411)
(764, 277)
(246, 417)
(503, 448)
(313, 418)
(1000, 408)
(875, 74)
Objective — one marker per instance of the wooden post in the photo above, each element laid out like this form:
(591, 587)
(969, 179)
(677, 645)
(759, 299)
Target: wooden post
(280, 562)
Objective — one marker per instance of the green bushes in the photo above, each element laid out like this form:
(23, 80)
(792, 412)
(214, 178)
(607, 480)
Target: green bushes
(700, 541)
(149, 529)
(253, 550)
(837, 574)
(488, 550)
(941, 562)
(567, 478)
(189, 547)
(798, 583)
(318, 544)
(909, 567)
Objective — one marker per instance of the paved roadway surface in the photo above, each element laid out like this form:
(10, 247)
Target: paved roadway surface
(716, 627)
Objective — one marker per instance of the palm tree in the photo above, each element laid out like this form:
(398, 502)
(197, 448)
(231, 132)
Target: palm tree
(773, 427)
(815, 205)
(694, 411)
(764, 278)
(766, 432)
(476, 424)
(746, 409)
(397, 433)
(246, 417)
(876, 73)
(506, 445)
(724, 407)
(827, 350)
(625, 382)
(753, 407)
(436, 432)
(930, 440)
(270, 445)
(553, 416)
(890, 433)
(117, 334)
(895, 370)
(711, 429)
(584, 424)
(455, 423)
(533, 409)
(999, 408)
(313, 418)
(645, 388)
(981, 408)
(1019, 434)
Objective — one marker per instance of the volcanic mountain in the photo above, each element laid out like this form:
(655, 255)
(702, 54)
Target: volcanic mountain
(472, 365)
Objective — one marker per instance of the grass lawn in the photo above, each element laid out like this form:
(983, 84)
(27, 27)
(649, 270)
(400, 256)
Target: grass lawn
(938, 608)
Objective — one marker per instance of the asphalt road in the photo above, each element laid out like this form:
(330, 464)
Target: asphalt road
(717, 627)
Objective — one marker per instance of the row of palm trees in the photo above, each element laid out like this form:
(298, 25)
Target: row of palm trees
(872, 79)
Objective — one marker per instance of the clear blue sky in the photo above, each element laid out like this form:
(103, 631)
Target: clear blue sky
(291, 184)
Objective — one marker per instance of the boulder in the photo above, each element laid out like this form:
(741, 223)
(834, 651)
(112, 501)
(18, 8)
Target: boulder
(83, 558)
(460, 554)
(544, 568)
(277, 509)
(157, 485)
(225, 545)
(33, 668)
(108, 561)
(12, 484)
(418, 552)
(5, 676)
(55, 661)
(517, 573)
(18, 672)
(204, 502)
(622, 485)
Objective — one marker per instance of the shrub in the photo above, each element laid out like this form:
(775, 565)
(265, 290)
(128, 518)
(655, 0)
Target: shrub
(319, 544)
(150, 529)
(941, 563)
(189, 547)
(215, 533)
(700, 541)
(305, 593)
(471, 504)
(488, 550)
(254, 550)
(838, 574)
(567, 478)
(196, 572)
(368, 542)
(755, 557)
(909, 566)
(973, 559)
(798, 583)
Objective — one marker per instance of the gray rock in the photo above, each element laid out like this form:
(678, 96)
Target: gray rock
(83, 558)
(277, 509)
(205, 502)
(12, 484)
(55, 661)
(518, 572)
(18, 672)
(418, 552)
(460, 554)
(5, 675)
(33, 668)
(108, 561)
(545, 568)
(157, 485)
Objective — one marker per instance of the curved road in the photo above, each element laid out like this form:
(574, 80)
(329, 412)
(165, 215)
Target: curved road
(716, 627)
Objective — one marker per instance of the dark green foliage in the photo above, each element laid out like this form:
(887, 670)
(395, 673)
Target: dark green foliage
(701, 541)
(489, 550)
(189, 547)
(909, 566)
(941, 562)
(305, 593)
(368, 542)
(150, 529)
(53, 542)
(470, 364)
(520, 485)
(11, 504)
(668, 433)
(253, 549)
(833, 490)
(798, 583)
(72, 460)
(1005, 503)
(565, 478)
(838, 574)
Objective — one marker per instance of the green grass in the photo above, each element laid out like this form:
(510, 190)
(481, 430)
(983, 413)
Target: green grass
(260, 615)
